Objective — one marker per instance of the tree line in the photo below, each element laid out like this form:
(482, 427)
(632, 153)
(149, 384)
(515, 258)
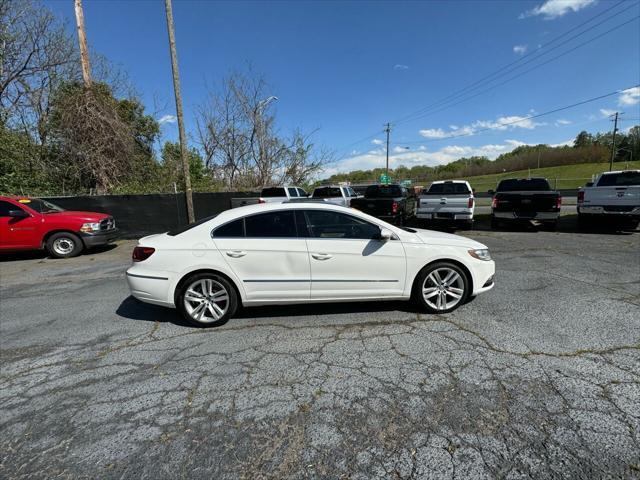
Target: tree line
(58, 136)
(586, 148)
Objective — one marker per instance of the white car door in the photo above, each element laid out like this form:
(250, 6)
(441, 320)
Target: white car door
(266, 254)
(346, 259)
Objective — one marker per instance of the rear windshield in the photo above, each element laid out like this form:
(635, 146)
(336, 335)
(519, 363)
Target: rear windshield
(383, 191)
(184, 228)
(524, 185)
(451, 188)
(273, 192)
(622, 179)
(327, 192)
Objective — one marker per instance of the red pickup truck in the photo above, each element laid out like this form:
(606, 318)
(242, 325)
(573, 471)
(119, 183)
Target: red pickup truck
(33, 223)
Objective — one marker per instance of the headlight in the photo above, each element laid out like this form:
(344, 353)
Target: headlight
(481, 254)
(90, 227)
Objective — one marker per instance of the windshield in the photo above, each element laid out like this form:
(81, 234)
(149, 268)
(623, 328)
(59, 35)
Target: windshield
(524, 185)
(327, 192)
(622, 179)
(383, 191)
(452, 188)
(41, 206)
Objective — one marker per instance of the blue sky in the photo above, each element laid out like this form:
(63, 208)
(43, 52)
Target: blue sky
(346, 68)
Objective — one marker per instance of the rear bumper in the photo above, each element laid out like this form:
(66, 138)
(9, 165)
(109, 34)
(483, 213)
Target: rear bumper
(445, 215)
(602, 210)
(99, 238)
(527, 216)
(150, 286)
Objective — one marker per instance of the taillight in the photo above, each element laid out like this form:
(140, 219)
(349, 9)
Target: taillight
(261, 200)
(494, 203)
(470, 203)
(580, 197)
(394, 207)
(558, 202)
(142, 253)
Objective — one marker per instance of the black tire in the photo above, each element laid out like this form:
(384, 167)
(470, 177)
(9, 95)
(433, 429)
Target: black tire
(585, 222)
(495, 223)
(207, 319)
(552, 226)
(419, 282)
(64, 245)
(468, 225)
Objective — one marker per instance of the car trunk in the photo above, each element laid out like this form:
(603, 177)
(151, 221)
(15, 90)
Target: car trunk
(524, 203)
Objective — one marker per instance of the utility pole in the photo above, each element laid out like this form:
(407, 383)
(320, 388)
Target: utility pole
(388, 130)
(82, 40)
(176, 90)
(613, 145)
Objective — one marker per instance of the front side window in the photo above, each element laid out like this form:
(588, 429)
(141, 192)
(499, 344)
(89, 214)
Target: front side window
(352, 192)
(330, 224)
(302, 193)
(269, 225)
(293, 193)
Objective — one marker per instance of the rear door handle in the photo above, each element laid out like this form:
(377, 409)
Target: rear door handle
(236, 253)
(321, 256)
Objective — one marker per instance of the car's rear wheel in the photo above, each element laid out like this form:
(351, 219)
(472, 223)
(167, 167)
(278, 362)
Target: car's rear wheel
(441, 287)
(495, 223)
(207, 300)
(64, 245)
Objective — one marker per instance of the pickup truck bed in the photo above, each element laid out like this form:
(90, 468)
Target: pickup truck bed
(391, 203)
(525, 200)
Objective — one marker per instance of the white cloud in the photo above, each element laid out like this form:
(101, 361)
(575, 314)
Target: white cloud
(606, 112)
(433, 133)
(562, 121)
(420, 156)
(377, 141)
(556, 8)
(566, 143)
(520, 49)
(167, 119)
(399, 149)
(399, 66)
(630, 96)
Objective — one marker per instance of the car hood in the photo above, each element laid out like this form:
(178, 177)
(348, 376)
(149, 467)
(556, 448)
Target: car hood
(85, 216)
(433, 237)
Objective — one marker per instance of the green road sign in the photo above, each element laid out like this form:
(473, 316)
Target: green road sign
(384, 178)
(405, 183)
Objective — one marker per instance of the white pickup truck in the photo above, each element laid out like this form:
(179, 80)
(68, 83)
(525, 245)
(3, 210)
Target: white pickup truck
(447, 200)
(612, 195)
(336, 194)
(271, 195)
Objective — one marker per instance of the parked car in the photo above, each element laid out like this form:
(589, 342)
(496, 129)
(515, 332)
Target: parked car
(447, 200)
(271, 195)
(301, 253)
(388, 202)
(612, 196)
(336, 194)
(33, 223)
(525, 199)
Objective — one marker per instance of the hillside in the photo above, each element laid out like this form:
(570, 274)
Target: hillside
(563, 177)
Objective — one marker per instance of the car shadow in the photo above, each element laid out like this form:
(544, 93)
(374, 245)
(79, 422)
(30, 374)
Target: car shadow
(133, 309)
(41, 254)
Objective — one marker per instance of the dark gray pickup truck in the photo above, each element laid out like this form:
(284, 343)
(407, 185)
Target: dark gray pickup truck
(392, 203)
(525, 199)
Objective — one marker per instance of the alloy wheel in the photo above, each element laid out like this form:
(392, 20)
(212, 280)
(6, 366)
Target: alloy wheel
(443, 288)
(206, 300)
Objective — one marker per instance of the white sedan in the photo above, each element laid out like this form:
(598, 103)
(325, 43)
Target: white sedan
(303, 253)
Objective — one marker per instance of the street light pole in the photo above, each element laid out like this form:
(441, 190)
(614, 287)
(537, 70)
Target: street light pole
(388, 130)
(176, 90)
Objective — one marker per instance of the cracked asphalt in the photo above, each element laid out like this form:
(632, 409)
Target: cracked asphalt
(539, 378)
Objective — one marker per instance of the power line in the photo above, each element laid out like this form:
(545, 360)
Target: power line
(488, 78)
(506, 124)
(493, 87)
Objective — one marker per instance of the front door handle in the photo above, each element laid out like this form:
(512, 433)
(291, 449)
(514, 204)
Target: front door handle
(321, 256)
(236, 253)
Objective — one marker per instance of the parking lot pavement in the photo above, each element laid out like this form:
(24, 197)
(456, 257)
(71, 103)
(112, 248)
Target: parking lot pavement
(538, 378)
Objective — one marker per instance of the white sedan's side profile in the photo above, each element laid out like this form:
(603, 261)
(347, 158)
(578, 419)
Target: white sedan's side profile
(303, 253)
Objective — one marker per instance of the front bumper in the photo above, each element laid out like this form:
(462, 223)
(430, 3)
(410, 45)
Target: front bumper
(483, 276)
(100, 238)
(526, 216)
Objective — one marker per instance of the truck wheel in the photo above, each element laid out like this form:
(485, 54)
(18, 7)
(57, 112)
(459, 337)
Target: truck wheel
(64, 245)
(468, 225)
(584, 221)
(551, 226)
(495, 223)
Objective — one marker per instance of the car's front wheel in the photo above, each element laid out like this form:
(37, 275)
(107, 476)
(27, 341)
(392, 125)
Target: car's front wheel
(441, 287)
(64, 245)
(207, 300)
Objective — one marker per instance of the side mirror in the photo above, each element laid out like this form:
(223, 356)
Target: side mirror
(385, 235)
(18, 214)
(491, 192)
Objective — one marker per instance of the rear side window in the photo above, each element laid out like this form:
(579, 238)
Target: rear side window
(269, 225)
(352, 192)
(448, 188)
(273, 192)
(327, 192)
(623, 179)
(383, 191)
(231, 229)
(293, 193)
(524, 185)
(301, 192)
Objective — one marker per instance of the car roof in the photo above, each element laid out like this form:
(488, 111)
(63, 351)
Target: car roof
(448, 181)
(620, 171)
(268, 207)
